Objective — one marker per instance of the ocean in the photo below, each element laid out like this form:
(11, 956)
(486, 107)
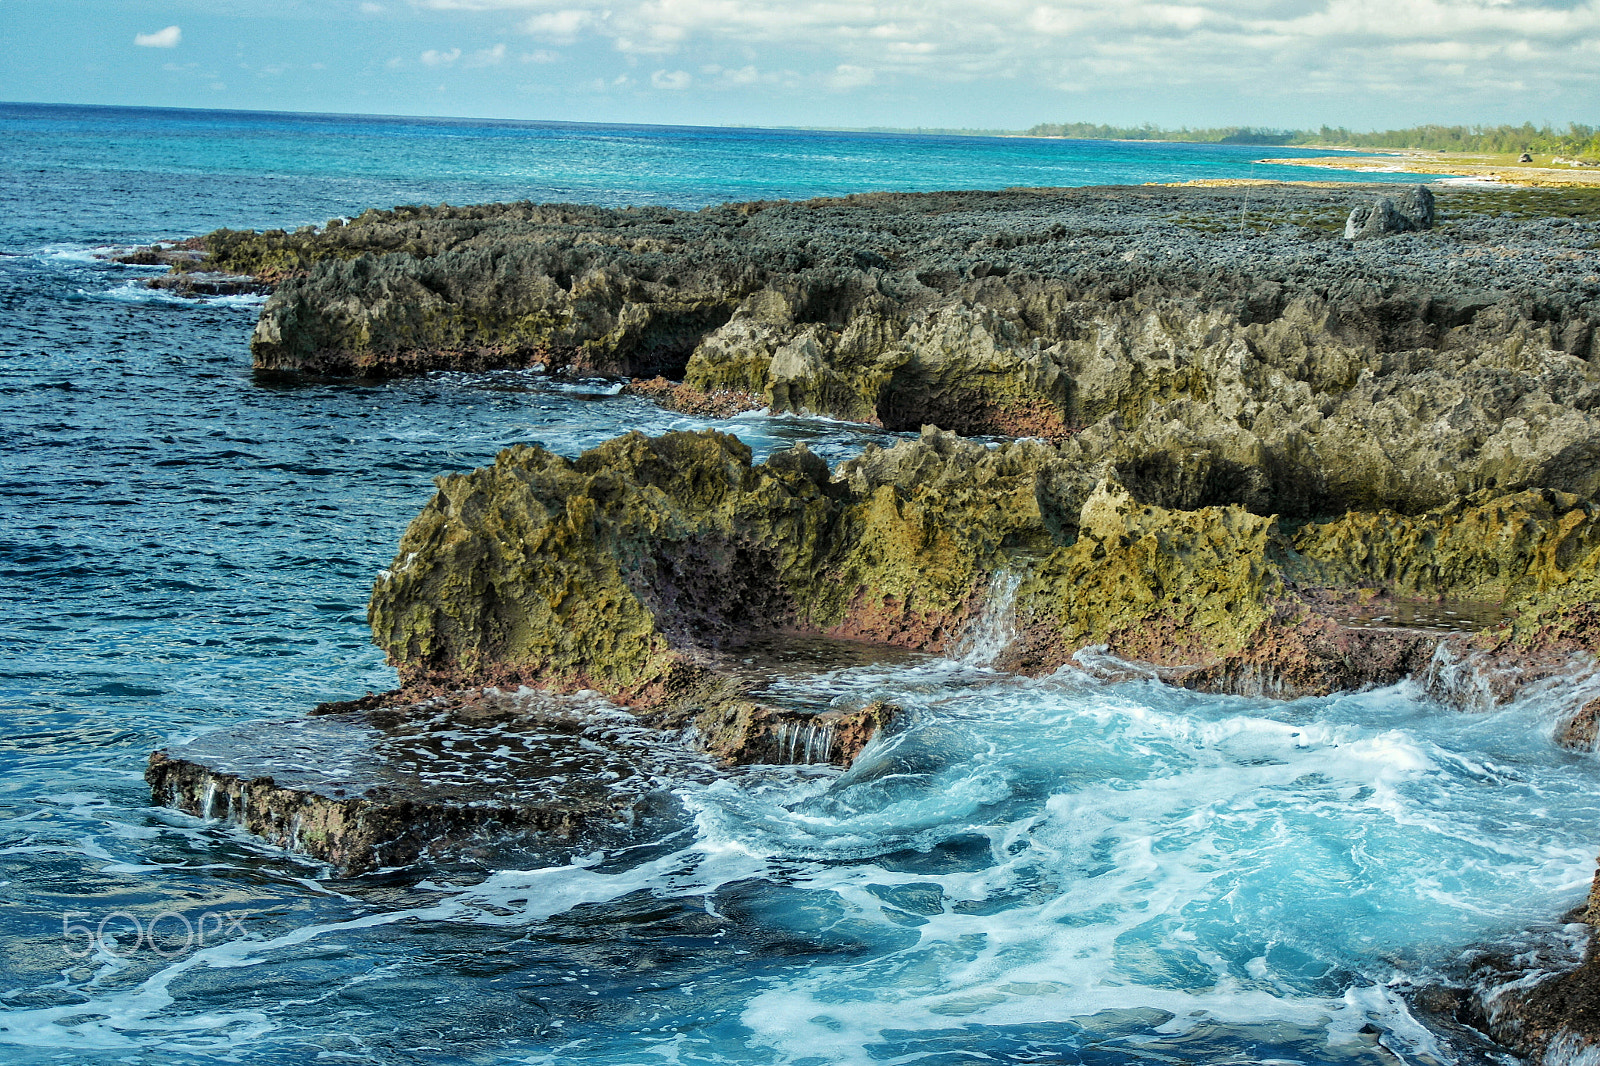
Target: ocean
(1051, 870)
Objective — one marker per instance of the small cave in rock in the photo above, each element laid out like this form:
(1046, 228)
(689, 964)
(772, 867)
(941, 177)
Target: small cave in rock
(714, 591)
(663, 347)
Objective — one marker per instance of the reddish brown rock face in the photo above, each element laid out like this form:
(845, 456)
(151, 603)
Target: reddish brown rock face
(1315, 656)
(674, 396)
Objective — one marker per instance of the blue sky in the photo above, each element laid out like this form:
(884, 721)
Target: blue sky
(997, 64)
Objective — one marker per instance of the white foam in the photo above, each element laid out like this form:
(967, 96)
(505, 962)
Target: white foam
(137, 292)
(1148, 862)
(995, 627)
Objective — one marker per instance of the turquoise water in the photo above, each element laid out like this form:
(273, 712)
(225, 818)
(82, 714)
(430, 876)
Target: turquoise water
(1051, 871)
(96, 173)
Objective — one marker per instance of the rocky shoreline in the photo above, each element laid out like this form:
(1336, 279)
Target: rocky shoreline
(1249, 455)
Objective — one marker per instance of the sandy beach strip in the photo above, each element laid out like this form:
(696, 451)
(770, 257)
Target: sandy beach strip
(1472, 167)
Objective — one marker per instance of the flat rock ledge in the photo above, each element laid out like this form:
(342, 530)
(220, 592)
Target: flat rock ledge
(472, 776)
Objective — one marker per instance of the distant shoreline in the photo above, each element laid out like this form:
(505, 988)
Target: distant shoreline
(1482, 166)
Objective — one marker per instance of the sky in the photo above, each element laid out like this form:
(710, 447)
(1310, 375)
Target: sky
(992, 64)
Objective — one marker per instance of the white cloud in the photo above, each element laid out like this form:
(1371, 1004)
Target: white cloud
(733, 79)
(540, 56)
(560, 26)
(675, 79)
(167, 38)
(369, 8)
(434, 58)
(846, 77)
(487, 57)
(1423, 54)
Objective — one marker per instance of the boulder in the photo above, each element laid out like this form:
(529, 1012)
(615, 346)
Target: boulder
(1412, 210)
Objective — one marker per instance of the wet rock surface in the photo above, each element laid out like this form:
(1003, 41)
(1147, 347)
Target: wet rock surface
(1538, 994)
(480, 774)
(441, 780)
(208, 283)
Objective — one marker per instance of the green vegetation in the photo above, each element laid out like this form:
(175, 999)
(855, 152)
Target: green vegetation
(1222, 135)
(1575, 203)
(1576, 140)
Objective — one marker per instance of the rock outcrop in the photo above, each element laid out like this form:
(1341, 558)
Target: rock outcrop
(631, 568)
(639, 567)
(1543, 1001)
(443, 780)
(405, 777)
(1413, 210)
(1317, 375)
(1254, 460)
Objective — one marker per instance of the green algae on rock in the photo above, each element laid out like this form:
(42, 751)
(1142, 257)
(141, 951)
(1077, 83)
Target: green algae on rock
(629, 569)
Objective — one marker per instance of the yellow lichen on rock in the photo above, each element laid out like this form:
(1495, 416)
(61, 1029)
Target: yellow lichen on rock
(1164, 586)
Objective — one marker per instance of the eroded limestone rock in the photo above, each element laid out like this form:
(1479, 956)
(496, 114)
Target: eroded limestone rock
(441, 780)
(479, 774)
(1285, 372)
(628, 569)
(1411, 210)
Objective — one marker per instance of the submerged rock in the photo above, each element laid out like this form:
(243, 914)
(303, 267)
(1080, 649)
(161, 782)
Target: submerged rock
(386, 782)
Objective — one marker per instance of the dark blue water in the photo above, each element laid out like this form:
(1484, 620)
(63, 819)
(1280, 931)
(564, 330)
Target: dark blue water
(1055, 872)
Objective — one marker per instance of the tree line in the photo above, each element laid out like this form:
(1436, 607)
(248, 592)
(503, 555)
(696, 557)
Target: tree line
(1575, 140)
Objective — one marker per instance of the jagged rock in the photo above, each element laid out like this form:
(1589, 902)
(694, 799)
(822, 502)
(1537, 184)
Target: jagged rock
(1317, 377)
(1413, 210)
(206, 283)
(1580, 734)
(1543, 999)
(625, 569)
(674, 396)
(387, 787)
(182, 256)
(1417, 205)
(387, 781)
(1377, 219)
